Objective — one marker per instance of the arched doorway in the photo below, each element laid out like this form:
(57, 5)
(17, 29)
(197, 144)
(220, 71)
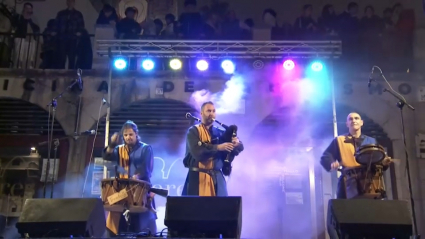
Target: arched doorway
(285, 139)
(23, 125)
(163, 125)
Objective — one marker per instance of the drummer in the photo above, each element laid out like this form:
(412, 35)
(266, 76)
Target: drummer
(341, 152)
(342, 149)
(136, 158)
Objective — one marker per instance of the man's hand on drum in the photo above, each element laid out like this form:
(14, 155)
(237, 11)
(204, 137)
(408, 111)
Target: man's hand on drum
(151, 194)
(335, 165)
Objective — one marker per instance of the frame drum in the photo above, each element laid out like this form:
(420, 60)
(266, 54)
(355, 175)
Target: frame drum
(137, 191)
(370, 154)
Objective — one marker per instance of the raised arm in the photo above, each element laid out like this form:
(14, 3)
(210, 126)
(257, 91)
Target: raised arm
(330, 155)
(144, 165)
(110, 154)
(199, 151)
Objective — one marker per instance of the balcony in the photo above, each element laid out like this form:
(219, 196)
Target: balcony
(95, 51)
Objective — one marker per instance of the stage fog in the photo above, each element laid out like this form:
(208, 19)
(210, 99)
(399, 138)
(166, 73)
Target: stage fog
(275, 174)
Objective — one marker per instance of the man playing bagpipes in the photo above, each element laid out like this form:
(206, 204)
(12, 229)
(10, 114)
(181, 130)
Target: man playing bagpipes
(207, 153)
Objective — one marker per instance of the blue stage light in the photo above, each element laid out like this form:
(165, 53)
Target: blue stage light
(228, 67)
(120, 64)
(148, 64)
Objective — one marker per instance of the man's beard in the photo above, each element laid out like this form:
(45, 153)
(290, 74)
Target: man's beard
(130, 143)
(208, 121)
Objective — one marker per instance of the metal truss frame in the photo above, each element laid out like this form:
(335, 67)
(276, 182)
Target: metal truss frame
(218, 49)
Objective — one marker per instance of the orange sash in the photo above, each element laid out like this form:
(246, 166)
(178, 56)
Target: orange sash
(113, 220)
(206, 183)
(347, 151)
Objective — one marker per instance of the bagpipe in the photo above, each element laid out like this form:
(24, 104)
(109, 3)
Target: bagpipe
(228, 135)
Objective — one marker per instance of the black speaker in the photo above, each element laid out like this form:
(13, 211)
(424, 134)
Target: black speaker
(204, 217)
(82, 217)
(371, 218)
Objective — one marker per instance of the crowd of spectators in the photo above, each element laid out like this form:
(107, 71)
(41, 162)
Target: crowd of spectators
(66, 43)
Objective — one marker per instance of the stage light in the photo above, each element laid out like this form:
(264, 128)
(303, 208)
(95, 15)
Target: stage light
(288, 65)
(120, 64)
(202, 65)
(175, 64)
(148, 64)
(316, 66)
(33, 152)
(228, 67)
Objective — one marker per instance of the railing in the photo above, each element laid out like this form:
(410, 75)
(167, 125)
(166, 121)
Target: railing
(388, 48)
(38, 51)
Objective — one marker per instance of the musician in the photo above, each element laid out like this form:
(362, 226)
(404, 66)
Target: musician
(205, 155)
(341, 153)
(136, 158)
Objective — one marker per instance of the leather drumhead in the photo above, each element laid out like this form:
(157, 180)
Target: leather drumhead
(370, 153)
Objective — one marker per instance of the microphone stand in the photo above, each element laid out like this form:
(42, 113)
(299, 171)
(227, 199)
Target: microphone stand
(52, 105)
(54, 167)
(400, 104)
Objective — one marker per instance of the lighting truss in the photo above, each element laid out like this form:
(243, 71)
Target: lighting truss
(218, 49)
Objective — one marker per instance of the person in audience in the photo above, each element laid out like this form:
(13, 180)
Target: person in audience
(26, 38)
(190, 21)
(5, 50)
(328, 21)
(247, 26)
(349, 29)
(397, 9)
(49, 52)
(107, 16)
(84, 52)
(128, 28)
(388, 35)
(269, 18)
(211, 29)
(159, 25)
(371, 32)
(305, 26)
(231, 26)
(387, 18)
(371, 22)
(405, 27)
(70, 25)
(170, 30)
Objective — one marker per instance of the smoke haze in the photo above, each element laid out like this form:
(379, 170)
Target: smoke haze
(271, 174)
(228, 101)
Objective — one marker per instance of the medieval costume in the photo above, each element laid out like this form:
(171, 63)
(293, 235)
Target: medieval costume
(137, 160)
(205, 162)
(343, 149)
